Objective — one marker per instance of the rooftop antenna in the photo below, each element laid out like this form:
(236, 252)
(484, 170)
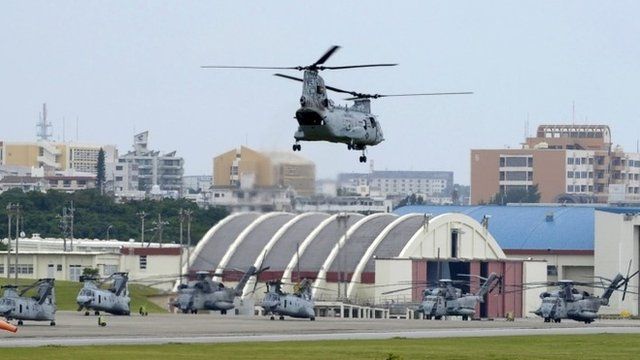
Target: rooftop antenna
(573, 112)
(43, 125)
(63, 129)
(77, 120)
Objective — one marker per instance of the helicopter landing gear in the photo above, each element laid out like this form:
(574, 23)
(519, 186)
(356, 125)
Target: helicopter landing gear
(465, 318)
(53, 323)
(557, 321)
(363, 159)
(223, 312)
(281, 317)
(86, 313)
(96, 313)
(20, 323)
(313, 318)
(297, 147)
(272, 318)
(547, 320)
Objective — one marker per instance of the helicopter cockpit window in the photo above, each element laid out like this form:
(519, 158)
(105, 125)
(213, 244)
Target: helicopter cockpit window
(86, 292)
(373, 122)
(320, 89)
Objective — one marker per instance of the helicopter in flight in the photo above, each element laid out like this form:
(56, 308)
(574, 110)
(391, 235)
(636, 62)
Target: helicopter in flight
(298, 304)
(319, 119)
(567, 302)
(206, 294)
(445, 299)
(40, 307)
(114, 300)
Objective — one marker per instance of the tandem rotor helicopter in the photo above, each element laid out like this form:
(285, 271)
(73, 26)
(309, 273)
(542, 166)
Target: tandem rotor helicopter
(319, 119)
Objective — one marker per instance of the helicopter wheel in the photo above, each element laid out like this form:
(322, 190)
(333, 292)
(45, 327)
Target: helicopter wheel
(428, 317)
(547, 320)
(465, 318)
(438, 317)
(297, 147)
(272, 318)
(20, 323)
(223, 312)
(86, 313)
(313, 318)
(53, 323)
(281, 317)
(557, 321)
(363, 159)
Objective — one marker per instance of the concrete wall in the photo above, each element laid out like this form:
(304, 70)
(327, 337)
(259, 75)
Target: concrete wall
(393, 274)
(617, 240)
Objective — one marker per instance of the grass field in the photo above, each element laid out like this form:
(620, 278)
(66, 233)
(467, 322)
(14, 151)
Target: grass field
(67, 291)
(612, 346)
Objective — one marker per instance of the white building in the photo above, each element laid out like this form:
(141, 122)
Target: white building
(46, 258)
(398, 183)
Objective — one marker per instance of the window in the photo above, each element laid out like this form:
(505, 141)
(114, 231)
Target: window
(570, 174)
(583, 175)
(143, 262)
(74, 272)
(570, 161)
(552, 270)
(516, 161)
(1, 268)
(59, 267)
(516, 175)
(569, 188)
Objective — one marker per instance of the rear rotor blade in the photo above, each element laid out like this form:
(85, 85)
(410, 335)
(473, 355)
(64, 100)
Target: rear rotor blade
(376, 96)
(251, 67)
(326, 56)
(353, 66)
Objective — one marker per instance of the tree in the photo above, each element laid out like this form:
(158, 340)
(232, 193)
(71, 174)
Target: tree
(90, 272)
(518, 195)
(100, 171)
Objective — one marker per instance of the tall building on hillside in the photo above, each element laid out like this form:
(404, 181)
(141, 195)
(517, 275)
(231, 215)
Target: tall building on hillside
(568, 163)
(247, 169)
(154, 168)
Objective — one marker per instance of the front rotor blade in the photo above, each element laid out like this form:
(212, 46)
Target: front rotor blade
(353, 66)
(326, 55)
(251, 67)
(427, 94)
(288, 77)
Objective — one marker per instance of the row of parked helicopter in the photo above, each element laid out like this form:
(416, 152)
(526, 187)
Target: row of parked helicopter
(443, 298)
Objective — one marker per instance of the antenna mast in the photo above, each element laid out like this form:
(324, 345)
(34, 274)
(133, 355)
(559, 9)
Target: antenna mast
(43, 125)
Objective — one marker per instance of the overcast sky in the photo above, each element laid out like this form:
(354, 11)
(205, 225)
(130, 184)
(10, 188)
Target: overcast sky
(127, 66)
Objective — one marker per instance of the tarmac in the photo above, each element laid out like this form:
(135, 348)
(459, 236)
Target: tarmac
(75, 329)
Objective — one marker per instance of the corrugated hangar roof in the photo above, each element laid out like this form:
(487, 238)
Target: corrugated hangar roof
(527, 227)
(359, 241)
(216, 246)
(391, 245)
(255, 241)
(285, 248)
(320, 247)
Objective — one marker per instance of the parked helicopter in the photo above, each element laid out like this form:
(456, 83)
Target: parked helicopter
(206, 294)
(569, 303)
(320, 120)
(444, 299)
(114, 300)
(298, 304)
(40, 307)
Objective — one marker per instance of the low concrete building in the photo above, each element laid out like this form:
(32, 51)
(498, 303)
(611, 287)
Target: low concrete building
(46, 258)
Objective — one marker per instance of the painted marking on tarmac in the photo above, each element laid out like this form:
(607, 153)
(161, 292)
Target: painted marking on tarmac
(154, 340)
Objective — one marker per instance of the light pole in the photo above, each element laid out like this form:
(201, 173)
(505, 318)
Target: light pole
(142, 215)
(342, 219)
(188, 215)
(109, 228)
(182, 216)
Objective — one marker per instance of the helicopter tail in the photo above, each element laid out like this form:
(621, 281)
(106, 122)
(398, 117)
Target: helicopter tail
(244, 279)
(492, 281)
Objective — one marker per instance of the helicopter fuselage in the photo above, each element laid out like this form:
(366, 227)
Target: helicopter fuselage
(25, 308)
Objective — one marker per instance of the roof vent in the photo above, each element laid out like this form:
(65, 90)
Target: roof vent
(549, 217)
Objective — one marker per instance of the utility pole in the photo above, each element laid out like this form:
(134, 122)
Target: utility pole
(182, 216)
(160, 226)
(18, 215)
(71, 210)
(188, 213)
(9, 216)
(142, 215)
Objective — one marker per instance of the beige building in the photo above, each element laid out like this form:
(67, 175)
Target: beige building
(247, 169)
(52, 156)
(569, 163)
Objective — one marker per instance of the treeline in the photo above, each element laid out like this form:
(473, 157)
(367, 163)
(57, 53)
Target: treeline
(95, 213)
